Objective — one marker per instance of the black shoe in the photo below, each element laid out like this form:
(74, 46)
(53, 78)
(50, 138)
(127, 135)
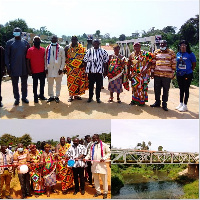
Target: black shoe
(64, 192)
(165, 108)
(50, 99)
(23, 197)
(98, 101)
(57, 100)
(25, 101)
(132, 103)
(1, 105)
(96, 195)
(9, 197)
(156, 104)
(42, 97)
(89, 100)
(82, 192)
(29, 195)
(104, 196)
(16, 102)
(75, 192)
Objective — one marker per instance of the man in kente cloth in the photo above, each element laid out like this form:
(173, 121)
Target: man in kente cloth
(64, 173)
(77, 81)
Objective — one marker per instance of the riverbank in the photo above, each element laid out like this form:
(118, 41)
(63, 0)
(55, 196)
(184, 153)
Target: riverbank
(148, 176)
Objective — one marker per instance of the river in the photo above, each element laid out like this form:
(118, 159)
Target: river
(138, 187)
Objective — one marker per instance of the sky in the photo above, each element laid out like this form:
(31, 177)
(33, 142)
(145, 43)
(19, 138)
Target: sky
(116, 17)
(47, 129)
(173, 135)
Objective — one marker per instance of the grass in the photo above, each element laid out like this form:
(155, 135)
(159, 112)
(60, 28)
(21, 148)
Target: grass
(191, 190)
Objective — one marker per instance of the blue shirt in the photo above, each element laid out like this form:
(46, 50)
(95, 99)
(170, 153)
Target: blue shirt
(184, 65)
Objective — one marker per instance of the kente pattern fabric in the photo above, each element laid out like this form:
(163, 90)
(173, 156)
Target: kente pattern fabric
(36, 173)
(77, 80)
(140, 75)
(95, 58)
(49, 170)
(64, 173)
(117, 73)
(164, 63)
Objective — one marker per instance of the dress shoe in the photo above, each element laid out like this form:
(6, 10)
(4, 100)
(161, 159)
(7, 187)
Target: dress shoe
(50, 99)
(9, 197)
(82, 192)
(29, 195)
(16, 102)
(57, 100)
(35, 99)
(75, 192)
(104, 196)
(165, 108)
(96, 195)
(64, 192)
(25, 101)
(89, 100)
(98, 101)
(1, 105)
(132, 103)
(42, 97)
(156, 104)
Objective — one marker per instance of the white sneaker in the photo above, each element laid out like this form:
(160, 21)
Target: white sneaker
(179, 106)
(183, 108)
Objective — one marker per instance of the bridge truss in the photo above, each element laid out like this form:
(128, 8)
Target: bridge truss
(127, 156)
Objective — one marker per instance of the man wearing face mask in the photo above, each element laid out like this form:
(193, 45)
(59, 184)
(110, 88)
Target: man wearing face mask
(35, 62)
(22, 157)
(162, 70)
(6, 171)
(77, 153)
(54, 64)
(15, 60)
(98, 154)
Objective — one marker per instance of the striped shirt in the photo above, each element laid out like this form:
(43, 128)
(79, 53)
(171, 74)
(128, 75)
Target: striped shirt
(164, 63)
(95, 58)
(76, 151)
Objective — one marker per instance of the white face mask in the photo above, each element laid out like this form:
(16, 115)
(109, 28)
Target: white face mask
(20, 149)
(163, 48)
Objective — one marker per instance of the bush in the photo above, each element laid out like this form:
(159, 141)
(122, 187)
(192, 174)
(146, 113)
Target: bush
(117, 184)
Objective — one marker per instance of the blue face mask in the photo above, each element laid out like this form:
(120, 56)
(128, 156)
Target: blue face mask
(54, 43)
(16, 34)
(20, 149)
(163, 48)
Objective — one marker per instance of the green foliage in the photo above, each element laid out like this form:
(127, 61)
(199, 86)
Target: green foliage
(191, 190)
(117, 184)
(105, 137)
(25, 140)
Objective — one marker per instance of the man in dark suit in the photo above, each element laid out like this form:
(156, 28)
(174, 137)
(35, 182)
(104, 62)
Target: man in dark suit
(2, 69)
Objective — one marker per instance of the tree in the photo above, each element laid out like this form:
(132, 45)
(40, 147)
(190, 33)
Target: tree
(8, 139)
(190, 30)
(160, 148)
(169, 29)
(97, 34)
(25, 140)
(122, 37)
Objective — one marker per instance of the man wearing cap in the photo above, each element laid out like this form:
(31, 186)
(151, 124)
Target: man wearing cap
(2, 69)
(54, 64)
(162, 70)
(15, 60)
(96, 59)
(35, 62)
(6, 159)
(77, 81)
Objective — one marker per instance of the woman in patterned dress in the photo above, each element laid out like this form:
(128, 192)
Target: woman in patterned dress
(36, 171)
(139, 72)
(49, 169)
(116, 68)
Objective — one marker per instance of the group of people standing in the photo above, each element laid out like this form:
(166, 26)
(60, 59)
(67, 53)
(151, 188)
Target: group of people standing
(85, 68)
(69, 161)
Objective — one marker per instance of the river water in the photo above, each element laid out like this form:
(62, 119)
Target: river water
(138, 187)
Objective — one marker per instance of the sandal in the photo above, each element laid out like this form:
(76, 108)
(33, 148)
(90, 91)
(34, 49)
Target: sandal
(110, 99)
(118, 100)
(78, 98)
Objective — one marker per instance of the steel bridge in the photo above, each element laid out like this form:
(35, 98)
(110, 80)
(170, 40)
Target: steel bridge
(127, 156)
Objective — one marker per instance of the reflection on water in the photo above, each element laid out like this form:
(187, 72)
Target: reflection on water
(138, 187)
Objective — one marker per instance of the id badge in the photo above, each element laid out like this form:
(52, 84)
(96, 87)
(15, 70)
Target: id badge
(181, 66)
